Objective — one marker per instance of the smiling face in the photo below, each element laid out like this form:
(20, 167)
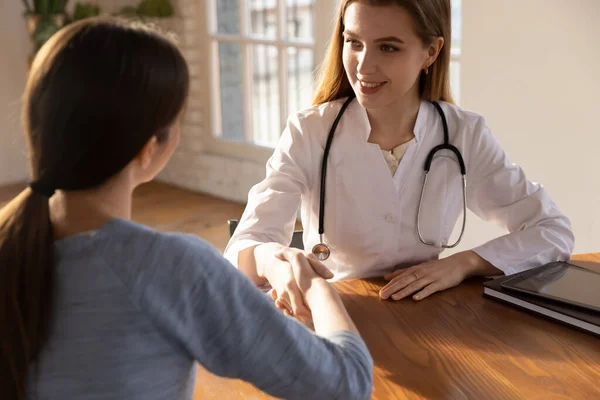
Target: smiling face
(382, 54)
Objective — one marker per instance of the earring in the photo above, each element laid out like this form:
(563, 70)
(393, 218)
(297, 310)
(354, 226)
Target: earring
(426, 69)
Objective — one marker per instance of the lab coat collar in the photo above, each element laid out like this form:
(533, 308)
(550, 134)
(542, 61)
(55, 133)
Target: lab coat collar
(365, 126)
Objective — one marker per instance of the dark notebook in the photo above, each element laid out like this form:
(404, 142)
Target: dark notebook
(578, 317)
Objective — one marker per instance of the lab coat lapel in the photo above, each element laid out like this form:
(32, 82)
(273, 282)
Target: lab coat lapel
(367, 167)
(407, 167)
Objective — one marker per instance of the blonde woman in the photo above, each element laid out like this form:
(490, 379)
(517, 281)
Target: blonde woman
(383, 104)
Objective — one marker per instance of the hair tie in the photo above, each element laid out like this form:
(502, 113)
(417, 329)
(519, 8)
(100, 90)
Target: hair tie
(41, 188)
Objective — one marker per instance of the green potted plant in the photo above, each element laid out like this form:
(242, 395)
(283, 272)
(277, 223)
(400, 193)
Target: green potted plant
(85, 10)
(45, 17)
(155, 9)
(156, 12)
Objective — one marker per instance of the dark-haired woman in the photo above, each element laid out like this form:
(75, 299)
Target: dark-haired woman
(95, 306)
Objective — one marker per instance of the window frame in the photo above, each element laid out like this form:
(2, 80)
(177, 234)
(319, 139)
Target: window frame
(323, 14)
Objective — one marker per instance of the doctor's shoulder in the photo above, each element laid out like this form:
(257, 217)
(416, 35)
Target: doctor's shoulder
(316, 120)
(469, 125)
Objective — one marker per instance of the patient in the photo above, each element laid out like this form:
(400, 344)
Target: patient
(95, 306)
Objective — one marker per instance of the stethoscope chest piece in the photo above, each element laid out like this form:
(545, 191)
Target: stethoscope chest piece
(321, 250)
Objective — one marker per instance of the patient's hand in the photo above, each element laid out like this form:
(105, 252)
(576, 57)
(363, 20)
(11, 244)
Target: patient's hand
(291, 273)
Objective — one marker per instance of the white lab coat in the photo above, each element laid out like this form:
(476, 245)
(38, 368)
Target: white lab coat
(370, 216)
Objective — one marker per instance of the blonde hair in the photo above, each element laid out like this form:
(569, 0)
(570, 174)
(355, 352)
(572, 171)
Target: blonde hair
(431, 19)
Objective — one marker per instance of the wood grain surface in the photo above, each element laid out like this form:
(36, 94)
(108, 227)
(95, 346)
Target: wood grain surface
(454, 345)
(457, 345)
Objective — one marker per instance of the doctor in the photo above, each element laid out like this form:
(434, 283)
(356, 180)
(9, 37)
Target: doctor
(376, 104)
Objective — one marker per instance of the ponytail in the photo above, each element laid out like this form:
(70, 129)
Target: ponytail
(26, 288)
(119, 84)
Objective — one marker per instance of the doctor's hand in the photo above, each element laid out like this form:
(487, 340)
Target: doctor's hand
(425, 279)
(291, 272)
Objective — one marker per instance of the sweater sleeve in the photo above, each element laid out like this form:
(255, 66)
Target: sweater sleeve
(215, 314)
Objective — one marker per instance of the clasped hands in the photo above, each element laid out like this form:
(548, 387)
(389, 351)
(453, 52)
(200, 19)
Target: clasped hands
(289, 270)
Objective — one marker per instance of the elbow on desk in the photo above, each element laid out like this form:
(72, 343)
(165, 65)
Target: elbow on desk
(358, 384)
(355, 384)
(364, 388)
(354, 380)
(570, 241)
(564, 241)
(556, 240)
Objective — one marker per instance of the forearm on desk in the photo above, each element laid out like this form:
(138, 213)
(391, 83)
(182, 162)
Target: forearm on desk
(475, 265)
(328, 312)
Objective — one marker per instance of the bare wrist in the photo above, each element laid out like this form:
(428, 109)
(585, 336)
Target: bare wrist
(258, 265)
(318, 288)
(475, 265)
(258, 251)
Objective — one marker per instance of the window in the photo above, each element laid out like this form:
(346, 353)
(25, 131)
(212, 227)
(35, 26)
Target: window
(263, 54)
(455, 49)
(263, 57)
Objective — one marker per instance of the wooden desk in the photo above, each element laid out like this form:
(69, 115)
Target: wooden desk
(457, 345)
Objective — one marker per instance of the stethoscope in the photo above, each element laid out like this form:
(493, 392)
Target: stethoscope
(322, 251)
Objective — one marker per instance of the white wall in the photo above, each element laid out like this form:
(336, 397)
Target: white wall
(532, 69)
(14, 48)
